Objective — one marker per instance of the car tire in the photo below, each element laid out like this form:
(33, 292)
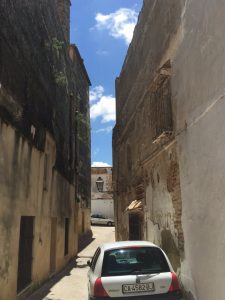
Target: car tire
(109, 223)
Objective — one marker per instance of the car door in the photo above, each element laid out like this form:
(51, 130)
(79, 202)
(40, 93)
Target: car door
(98, 219)
(91, 273)
(93, 219)
(102, 220)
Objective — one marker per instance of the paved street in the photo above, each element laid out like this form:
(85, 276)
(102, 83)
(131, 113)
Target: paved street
(71, 284)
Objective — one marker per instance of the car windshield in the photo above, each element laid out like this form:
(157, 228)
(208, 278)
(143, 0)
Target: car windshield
(136, 260)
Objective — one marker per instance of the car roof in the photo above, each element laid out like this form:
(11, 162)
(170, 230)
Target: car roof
(115, 245)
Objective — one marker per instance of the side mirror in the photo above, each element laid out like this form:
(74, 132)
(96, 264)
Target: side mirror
(89, 263)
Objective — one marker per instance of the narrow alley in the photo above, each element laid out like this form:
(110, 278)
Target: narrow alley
(112, 114)
(71, 284)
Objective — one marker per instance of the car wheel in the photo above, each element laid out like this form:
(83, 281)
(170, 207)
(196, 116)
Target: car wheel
(109, 223)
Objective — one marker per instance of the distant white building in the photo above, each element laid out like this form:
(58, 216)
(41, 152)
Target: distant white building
(102, 191)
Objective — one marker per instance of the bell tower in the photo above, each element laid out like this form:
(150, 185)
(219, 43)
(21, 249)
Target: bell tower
(63, 7)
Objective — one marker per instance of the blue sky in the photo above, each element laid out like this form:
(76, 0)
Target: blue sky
(102, 30)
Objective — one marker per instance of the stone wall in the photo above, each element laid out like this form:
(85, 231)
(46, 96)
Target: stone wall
(23, 192)
(38, 82)
(63, 8)
(145, 149)
(102, 201)
(163, 204)
(184, 173)
(82, 129)
(199, 88)
(151, 47)
(41, 90)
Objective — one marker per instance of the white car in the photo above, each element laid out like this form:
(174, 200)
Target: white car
(101, 220)
(135, 270)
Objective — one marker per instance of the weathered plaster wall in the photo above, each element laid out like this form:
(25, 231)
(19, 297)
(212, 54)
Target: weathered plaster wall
(81, 126)
(22, 193)
(63, 7)
(84, 222)
(103, 206)
(41, 90)
(163, 204)
(106, 175)
(145, 53)
(39, 83)
(102, 202)
(199, 86)
(138, 159)
(193, 41)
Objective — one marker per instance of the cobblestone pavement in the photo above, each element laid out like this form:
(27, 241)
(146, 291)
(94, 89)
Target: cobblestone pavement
(71, 284)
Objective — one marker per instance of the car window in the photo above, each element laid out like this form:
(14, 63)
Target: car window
(94, 259)
(138, 260)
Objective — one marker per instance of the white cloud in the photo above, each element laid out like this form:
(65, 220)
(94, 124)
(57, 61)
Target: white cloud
(97, 150)
(104, 106)
(100, 164)
(106, 129)
(120, 24)
(102, 52)
(96, 93)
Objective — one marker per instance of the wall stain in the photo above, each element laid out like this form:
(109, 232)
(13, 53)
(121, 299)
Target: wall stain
(169, 246)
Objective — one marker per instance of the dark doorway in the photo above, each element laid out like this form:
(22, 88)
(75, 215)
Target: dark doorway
(83, 224)
(135, 227)
(53, 245)
(24, 275)
(66, 246)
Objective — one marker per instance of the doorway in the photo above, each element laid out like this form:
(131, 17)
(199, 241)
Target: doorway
(24, 275)
(53, 245)
(135, 226)
(66, 241)
(83, 222)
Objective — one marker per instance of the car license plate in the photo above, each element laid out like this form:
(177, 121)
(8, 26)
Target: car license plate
(138, 288)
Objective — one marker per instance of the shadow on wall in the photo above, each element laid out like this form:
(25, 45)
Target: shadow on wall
(169, 246)
(189, 296)
(85, 240)
(76, 262)
(175, 256)
(46, 288)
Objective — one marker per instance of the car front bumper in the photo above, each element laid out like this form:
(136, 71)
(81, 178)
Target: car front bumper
(168, 296)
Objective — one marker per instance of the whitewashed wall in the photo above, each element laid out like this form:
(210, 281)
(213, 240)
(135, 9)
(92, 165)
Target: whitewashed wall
(105, 207)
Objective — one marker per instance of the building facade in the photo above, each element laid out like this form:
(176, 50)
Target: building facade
(82, 158)
(42, 89)
(167, 142)
(102, 191)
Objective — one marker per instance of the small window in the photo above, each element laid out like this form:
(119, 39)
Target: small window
(94, 259)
